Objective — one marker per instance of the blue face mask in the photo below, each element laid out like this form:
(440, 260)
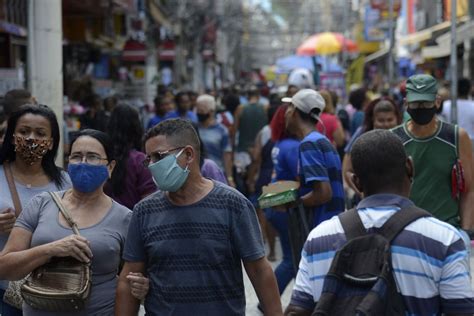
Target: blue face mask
(168, 175)
(87, 178)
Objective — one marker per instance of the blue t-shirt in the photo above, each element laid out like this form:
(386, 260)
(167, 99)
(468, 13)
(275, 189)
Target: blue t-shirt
(354, 137)
(216, 142)
(193, 254)
(285, 159)
(154, 121)
(357, 121)
(319, 161)
(190, 115)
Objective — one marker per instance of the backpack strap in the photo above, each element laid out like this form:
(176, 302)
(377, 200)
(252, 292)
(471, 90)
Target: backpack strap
(352, 224)
(395, 224)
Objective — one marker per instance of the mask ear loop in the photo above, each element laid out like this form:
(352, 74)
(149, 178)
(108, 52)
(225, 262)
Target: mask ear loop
(187, 164)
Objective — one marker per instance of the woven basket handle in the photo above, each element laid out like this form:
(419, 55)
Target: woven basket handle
(65, 213)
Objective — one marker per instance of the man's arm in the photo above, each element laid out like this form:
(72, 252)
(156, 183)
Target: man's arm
(263, 280)
(125, 303)
(467, 197)
(237, 112)
(321, 193)
(293, 310)
(228, 168)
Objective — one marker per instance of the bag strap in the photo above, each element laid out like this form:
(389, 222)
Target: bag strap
(352, 224)
(65, 212)
(11, 185)
(402, 218)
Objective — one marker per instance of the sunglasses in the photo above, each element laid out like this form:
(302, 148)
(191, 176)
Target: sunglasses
(157, 156)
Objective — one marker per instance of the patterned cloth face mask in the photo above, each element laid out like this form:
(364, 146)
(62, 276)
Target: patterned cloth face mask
(30, 149)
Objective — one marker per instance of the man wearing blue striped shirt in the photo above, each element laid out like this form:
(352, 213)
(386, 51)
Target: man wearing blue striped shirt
(319, 165)
(428, 256)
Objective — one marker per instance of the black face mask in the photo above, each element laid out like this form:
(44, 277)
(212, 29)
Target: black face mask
(422, 116)
(203, 117)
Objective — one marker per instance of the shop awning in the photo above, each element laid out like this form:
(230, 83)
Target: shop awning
(425, 34)
(157, 14)
(134, 51)
(378, 54)
(443, 49)
(428, 33)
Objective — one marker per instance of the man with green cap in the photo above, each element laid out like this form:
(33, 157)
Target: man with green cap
(442, 156)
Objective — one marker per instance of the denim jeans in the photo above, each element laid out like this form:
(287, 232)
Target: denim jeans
(284, 273)
(8, 310)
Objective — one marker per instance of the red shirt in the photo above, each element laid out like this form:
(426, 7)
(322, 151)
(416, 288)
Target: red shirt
(331, 123)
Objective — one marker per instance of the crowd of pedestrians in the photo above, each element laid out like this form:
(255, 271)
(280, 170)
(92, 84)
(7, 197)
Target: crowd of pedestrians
(167, 200)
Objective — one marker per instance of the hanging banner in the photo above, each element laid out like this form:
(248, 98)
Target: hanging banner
(333, 81)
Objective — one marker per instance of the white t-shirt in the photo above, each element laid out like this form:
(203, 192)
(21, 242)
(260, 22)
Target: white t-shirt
(465, 109)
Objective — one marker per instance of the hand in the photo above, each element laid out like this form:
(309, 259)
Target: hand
(7, 220)
(139, 285)
(74, 246)
(250, 186)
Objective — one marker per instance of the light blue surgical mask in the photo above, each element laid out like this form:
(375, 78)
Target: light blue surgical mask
(168, 175)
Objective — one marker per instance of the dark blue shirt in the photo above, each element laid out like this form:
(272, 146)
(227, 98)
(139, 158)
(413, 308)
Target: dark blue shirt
(285, 159)
(319, 161)
(190, 115)
(193, 254)
(154, 121)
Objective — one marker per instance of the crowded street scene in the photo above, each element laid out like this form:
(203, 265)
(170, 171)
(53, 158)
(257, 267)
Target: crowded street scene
(236, 157)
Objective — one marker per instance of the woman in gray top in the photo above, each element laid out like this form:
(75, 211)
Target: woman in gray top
(41, 232)
(29, 150)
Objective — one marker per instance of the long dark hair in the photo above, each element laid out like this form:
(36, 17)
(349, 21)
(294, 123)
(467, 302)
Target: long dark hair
(7, 151)
(388, 105)
(126, 133)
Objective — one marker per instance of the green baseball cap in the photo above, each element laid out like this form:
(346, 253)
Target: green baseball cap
(421, 88)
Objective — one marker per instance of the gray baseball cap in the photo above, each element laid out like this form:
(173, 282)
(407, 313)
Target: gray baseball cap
(307, 100)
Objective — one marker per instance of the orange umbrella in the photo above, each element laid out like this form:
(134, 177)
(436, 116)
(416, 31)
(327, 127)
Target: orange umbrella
(325, 44)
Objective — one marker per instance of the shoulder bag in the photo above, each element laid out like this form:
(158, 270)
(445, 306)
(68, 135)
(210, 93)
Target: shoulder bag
(61, 285)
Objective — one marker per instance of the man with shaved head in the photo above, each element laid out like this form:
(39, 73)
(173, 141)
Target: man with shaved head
(192, 237)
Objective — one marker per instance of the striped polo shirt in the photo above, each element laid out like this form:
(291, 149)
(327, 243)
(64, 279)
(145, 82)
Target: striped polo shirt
(428, 258)
(319, 161)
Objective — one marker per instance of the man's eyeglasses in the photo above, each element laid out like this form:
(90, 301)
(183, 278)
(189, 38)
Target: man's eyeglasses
(91, 159)
(157, 156)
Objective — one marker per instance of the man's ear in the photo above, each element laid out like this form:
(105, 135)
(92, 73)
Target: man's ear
(438, 101)
(356, 181)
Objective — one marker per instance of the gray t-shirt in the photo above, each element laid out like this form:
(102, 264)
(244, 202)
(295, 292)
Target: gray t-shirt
(26, 194)
(193, 253)
(107, 239)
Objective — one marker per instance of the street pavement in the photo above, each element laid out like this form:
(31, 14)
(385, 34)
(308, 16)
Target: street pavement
(252, 300)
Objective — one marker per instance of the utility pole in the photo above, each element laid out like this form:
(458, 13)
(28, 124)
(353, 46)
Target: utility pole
(45, 57)
(345, 21)
(454, 64)
(179, 29)
(391, 45)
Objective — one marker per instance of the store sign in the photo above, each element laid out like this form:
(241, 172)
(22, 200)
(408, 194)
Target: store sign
(10, 78)
(377, 23)
(384, 5)
(333, 81)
